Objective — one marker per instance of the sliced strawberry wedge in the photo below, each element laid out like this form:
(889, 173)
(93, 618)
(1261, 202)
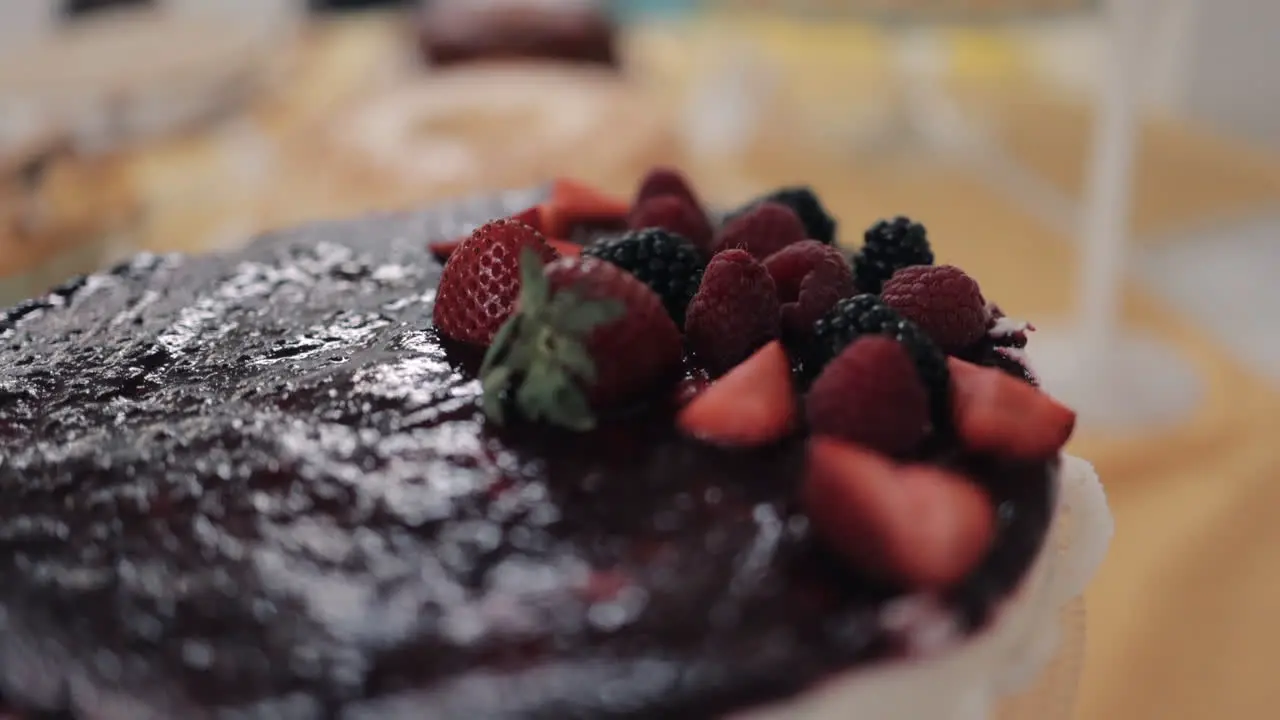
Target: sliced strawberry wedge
(532, 217)
(565, 248)
(575, 204)
(919, 526)
(442, 249)
(997, 413)
(753, 404)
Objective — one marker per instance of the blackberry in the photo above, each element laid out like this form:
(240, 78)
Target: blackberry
(888, 246)
(666, 262)
(867, 314)
(818, 223)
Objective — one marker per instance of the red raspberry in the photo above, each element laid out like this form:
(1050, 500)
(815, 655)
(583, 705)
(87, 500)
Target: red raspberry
(734, 312)
(810, 277)
(675, 214)
(762, 231)
(666, 181)
(946, 303)
(871, 394)
(480, 283)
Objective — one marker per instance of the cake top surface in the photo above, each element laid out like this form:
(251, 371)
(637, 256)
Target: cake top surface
(263, 482)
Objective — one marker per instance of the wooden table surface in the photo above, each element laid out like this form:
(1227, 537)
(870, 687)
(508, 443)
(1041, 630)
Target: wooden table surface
(1182, 622)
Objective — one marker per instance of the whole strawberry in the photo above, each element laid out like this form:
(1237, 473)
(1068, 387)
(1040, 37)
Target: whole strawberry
(675, 214)
(480, 284)
(734, 312)
(871, 395)
(762, 231)
(942, 301)
(587, 336)
(810, 277)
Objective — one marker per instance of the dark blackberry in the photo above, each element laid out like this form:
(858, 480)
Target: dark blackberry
(666, 262)
(818, 223)
(867, 314)
(888, 246)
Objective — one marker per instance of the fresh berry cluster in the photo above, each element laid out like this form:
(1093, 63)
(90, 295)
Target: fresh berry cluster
(757, 328)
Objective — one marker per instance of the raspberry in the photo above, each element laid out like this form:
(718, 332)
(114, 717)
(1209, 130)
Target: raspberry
(674, 214)
(871, 394)
(666, 181)
(818, 223)
(811, 278)
(762, 230)
(665, 262)
(942, 301)
(889, 246)
(734, 312)
(865, 314)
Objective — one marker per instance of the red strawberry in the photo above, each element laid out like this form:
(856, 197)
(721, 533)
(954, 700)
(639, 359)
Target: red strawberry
(587, 335)
(479, 286)
(734, 311)
(922, 527)
(997, 413)
(811, 277)
(673, 214)
(575, 204)
(633, 353)
(871, 394)
(666, 181)
(762, 231)
(942, 300)
(754, 404)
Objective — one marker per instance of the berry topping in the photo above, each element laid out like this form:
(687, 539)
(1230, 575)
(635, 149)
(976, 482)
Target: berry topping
(888, 246)
(666, 262)
(575, 205)
(942, 301)
(586, 335)
(734, 312)
(480, 284)
(818, 223)
(871, 395)
(762, 230)
(754, 404)
(861, 315)
(810, 278)
(674, 214)
(667, 181)
(921, 527)
(1000, 414)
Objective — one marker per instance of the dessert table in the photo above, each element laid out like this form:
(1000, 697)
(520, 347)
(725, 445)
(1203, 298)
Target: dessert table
(1181, 621)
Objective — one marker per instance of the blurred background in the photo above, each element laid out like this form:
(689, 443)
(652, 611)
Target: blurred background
(1110, 169)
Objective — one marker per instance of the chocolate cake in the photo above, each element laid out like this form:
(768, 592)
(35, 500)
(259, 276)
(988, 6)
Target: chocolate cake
(260, 484)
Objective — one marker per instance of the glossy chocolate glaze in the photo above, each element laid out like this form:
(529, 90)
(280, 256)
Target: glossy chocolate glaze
(257, 485)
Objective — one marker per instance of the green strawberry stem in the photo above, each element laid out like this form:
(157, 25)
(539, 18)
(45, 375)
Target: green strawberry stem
(538, 360)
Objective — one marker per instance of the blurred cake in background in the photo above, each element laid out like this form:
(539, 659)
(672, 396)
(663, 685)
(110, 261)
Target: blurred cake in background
(456, 31)
(469, 128)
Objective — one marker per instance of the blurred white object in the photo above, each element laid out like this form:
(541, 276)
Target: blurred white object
(727, 98)
(1114, 378)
